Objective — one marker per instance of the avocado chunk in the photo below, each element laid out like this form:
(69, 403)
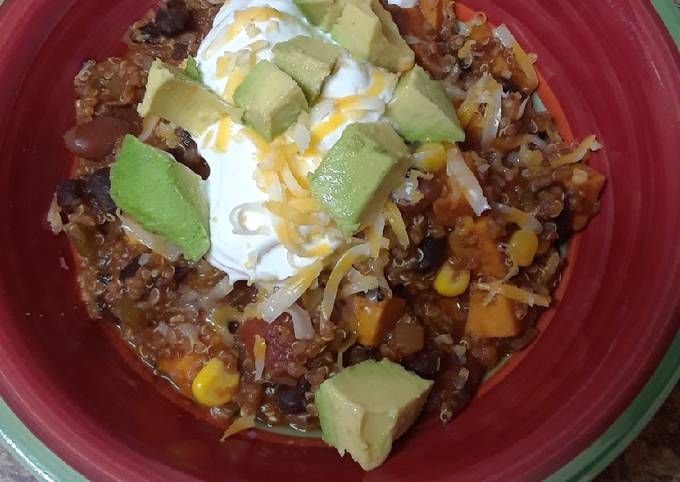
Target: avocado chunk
(367, 406)
(162, 195)
(309, 61)
(359, 172)
(422, 111)
(271, 99)
(175, 96)
(191, 69)
(322, 13)
(367, 30)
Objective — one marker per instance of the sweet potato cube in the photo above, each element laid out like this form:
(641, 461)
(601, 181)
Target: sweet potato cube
(432, 11)
(181, 370)
(491, 263)
(589, 189)
(495, 320)
(371, 320)
(451, 204)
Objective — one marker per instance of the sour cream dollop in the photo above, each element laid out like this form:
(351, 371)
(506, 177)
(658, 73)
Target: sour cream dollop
(403, 3)
(244, 242)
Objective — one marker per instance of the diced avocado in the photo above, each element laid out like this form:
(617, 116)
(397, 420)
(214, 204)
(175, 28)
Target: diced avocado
(367, 406)
(309, 61)
(367, 30)
(422, 111)
(322, 13)
(191, 69)
(359, 172)
(173, 95)
(271, 99)
(162, 195)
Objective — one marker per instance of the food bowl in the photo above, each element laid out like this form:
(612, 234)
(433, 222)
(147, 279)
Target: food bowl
(614, 70)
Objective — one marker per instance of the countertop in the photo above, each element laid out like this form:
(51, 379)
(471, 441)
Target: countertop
(653, 456)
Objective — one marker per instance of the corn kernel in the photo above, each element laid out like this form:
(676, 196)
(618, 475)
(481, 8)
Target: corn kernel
(430, 157)
(523, 246)
(214, 385)
(451, 282)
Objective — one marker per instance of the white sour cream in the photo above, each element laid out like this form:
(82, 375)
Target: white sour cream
(403, 3)
(244, 32)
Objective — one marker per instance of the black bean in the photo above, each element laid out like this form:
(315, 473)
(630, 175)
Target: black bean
(190, 158)
(233, 326)
(185, 139)
(291, 400)
(97, 188)
(95, 139)
(149, 33)
(174, 19)
(130, 269)
(431, 253)
(424, 363)
(453, 386)
(69, 194)
(355, 355)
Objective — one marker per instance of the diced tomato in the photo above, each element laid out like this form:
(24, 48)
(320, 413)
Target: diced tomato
(279, 337)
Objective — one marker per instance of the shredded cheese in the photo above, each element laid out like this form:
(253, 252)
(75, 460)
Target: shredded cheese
(321, 130)
(520, 218)
(377, 84)
(375, 233)
(342, 267)
(396, 222)
(260, 353)
(457, 169)
(280, 300)
(223, 128)
(589, 144)
(514, 293)
(288, 213)
(242, 18)
(235, 79)
(207, 140)
(238, 425)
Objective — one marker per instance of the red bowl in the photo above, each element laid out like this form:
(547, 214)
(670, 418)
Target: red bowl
(615, 71)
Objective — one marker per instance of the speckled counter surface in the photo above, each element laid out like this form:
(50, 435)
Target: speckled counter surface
(653, 456)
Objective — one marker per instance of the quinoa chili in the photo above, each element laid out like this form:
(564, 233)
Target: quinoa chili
(177, 315)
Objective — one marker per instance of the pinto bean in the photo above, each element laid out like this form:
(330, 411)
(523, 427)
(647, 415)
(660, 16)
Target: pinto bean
(130, 117)
(95, 139)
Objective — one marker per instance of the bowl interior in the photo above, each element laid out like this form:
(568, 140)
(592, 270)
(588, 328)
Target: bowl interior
(615, 72)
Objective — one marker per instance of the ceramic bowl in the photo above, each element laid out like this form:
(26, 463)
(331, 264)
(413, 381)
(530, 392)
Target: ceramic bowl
(614, 69)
